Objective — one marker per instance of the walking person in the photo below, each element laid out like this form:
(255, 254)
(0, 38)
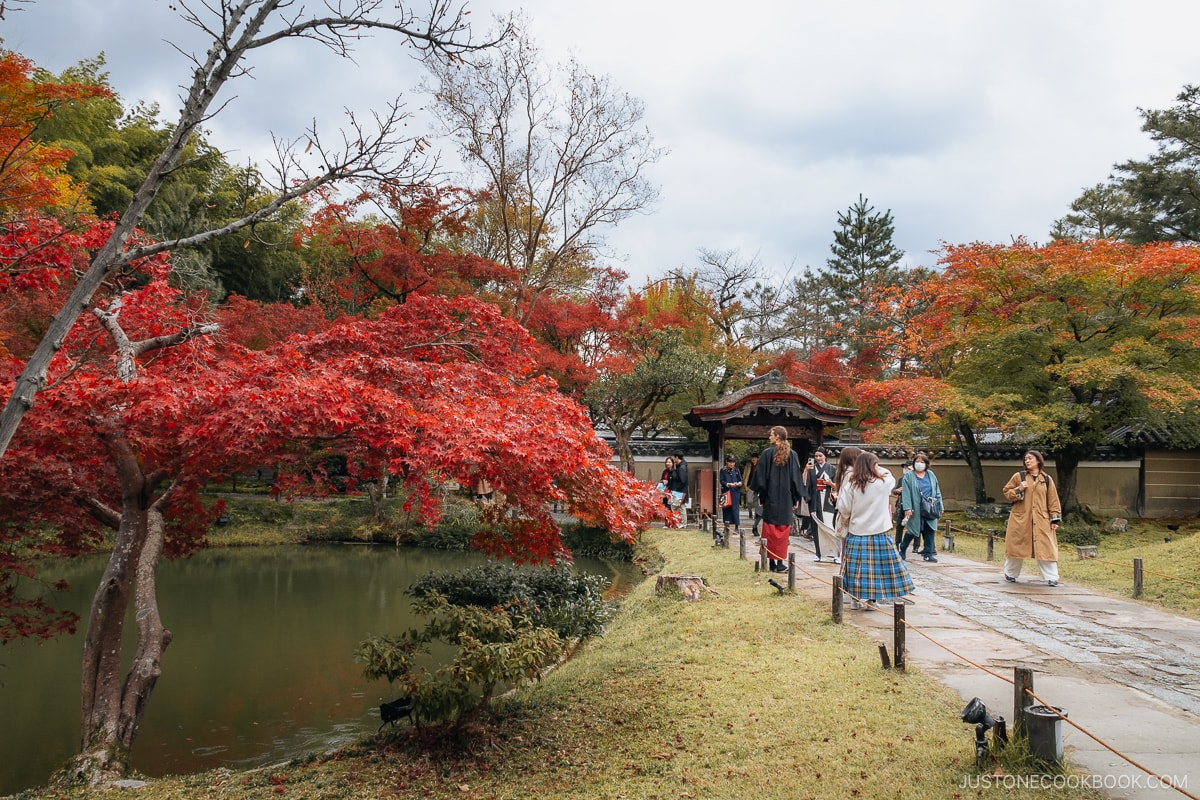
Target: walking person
(751, 495)
(819, 490)
(920, 526)
(678, 484)
(731, 481)
(898, 500)
(808, 528)
(664, 482)
(777, 483)
(1033, 522)
(872, 570)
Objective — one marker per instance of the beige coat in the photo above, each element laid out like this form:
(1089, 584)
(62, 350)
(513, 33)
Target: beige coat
(1029, 534)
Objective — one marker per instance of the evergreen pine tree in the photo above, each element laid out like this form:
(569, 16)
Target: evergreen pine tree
(864, 258)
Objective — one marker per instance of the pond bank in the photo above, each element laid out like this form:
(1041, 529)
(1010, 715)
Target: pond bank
(747, 693)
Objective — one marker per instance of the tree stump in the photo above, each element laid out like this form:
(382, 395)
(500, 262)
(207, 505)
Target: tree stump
(690, 586)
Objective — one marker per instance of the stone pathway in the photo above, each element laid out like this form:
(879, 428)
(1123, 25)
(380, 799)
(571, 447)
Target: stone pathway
(1126, 672)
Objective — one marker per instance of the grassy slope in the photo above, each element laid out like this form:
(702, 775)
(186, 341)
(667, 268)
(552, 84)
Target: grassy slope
(744, 695)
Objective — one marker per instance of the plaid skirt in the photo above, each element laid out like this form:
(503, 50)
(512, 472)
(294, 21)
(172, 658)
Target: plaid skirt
(872, 569)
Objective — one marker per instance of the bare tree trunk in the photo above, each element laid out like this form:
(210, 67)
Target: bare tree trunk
(111, 707)
(1066, 464)
(970, 449)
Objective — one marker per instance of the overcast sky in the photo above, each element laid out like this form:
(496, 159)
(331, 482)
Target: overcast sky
(971, 120)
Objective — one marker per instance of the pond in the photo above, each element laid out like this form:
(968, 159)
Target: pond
(260, 669)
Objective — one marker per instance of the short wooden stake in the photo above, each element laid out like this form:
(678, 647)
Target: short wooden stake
(883, 656)
(837, 599)
(742, 547)
(1137, 577)
(898, 631)
(792, 572)
(762, 555)
(1022, 685)
(991, 553)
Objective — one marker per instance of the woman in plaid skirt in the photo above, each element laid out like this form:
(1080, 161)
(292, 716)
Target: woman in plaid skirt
(871, 567)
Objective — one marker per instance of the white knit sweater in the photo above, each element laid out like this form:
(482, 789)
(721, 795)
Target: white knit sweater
(865, 513)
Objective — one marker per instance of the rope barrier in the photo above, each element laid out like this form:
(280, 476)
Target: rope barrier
(1165, 779)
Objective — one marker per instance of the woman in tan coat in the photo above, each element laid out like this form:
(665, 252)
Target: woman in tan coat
(1033, 522)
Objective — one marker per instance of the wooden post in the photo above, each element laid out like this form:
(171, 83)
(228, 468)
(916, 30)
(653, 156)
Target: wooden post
(991, 553)
(898, 631)
(792, 572)
(742, 547)
(837, 599)
(1137, 577)
(762, 555)
(725, 540)
(883, 656)
(1022, 683)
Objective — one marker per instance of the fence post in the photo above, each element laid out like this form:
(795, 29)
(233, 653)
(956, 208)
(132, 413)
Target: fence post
(883, 656)
(762, 555)
(837, 599)
(1022, 683)
(742, 547)
(948, 538)
(991, 551)
(898, 632)
(792, 573)
(1137, 577)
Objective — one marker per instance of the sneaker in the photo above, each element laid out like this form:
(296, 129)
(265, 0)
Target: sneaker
(818, 560)
(837, 560)
(931, 559)
(855, 605)
(1052, 583)
(1010, 579)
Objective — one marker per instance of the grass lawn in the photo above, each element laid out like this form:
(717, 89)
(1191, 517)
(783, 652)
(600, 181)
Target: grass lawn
(1171, 570)
(750, 695)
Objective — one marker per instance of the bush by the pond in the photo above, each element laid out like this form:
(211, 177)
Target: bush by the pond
(593, 542)
(509, 623)
(569, 603)
(496, 647)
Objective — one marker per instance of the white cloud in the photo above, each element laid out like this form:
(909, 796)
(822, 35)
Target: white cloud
(970, 121)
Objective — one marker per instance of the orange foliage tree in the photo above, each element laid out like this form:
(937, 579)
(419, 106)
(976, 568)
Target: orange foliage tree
(1062, 343)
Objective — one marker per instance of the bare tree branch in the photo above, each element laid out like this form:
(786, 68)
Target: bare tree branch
(236, 28)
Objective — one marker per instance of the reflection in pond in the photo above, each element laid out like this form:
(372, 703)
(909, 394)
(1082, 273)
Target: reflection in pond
(260, 669)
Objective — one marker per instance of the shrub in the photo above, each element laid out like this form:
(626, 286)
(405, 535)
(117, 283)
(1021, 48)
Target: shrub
(570, 604)
(496, 647)
(1079, 534)
(586, 540)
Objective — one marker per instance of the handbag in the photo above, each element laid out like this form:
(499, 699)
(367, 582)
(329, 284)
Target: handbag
(931, 507)
(726, 499)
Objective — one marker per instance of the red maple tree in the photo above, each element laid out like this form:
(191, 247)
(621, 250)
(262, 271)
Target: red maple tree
(144, 404)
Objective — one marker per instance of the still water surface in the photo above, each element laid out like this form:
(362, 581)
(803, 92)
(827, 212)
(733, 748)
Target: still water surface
(261, 665)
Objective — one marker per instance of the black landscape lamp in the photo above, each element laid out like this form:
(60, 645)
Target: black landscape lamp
(976, 714)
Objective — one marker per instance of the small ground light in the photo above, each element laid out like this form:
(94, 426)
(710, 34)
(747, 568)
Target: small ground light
(976, 714)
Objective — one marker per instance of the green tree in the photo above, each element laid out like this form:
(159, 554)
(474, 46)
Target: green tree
(1165, 187)
(1104, 211)
(864, 258)
(1065, 342)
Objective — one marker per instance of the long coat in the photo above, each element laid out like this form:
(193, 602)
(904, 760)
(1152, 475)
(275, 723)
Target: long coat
(1029, 534)
(779, 487)
(910, 499)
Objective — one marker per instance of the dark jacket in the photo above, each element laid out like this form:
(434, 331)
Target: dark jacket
(819, 501)
(679, 478)
(779, 487)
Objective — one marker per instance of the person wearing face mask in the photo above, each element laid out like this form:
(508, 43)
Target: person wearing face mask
(921, 482)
